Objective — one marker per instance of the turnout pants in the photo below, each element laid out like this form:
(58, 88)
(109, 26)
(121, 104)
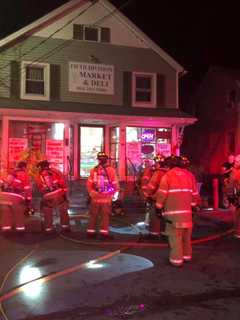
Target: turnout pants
(12, 208)
(180, 244)
(154, 223)
(99, 211)
(55, 200)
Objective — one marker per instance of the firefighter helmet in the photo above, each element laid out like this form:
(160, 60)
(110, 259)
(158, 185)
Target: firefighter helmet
(173, 161)
(102, 155)
(44, 164)
(159, 159)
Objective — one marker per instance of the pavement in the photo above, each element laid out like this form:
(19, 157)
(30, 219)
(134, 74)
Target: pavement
(125, 278)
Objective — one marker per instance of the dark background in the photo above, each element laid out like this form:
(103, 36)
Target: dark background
(196, 34)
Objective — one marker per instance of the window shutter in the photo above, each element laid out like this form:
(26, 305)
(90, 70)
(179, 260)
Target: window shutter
(105, 35)
(161, 90)
(15, 79)
(127, 88)
(55, 81)
(78, 31)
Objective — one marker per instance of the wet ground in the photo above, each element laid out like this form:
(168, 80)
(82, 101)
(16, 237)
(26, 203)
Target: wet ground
(125, 278)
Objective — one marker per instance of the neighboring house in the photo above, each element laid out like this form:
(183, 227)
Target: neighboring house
(216, 104)
(82, 79)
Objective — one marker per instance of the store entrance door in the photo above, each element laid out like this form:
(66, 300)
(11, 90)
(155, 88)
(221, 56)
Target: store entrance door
(91, 142)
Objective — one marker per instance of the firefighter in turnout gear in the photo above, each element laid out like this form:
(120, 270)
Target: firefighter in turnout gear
(102, 185)
(52, 185)
(144, 179)
(233, 191)
(176, 195)
(15, 198)
(149, 192)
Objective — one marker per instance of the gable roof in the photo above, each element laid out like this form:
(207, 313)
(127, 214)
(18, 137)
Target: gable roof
(69, 7)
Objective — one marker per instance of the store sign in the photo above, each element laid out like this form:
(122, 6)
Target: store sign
(54, 151)
(91, 78)
(164, 149)
(148, 135)
(134, 153)
(15, 148)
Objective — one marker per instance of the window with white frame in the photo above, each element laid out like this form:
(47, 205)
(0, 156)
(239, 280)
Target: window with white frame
(35, 81)
(144, 89)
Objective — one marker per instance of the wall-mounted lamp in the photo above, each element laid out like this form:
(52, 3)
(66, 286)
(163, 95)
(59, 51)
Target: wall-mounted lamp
(94, 59)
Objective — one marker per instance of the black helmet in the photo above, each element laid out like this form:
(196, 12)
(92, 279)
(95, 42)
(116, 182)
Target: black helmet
(102, 155)
(21, 164)
(173, 161)
(44, 164)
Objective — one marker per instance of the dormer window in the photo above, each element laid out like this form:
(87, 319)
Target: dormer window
(91, 33)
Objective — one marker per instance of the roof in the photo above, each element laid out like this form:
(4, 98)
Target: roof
(69, 7)
(93, 108)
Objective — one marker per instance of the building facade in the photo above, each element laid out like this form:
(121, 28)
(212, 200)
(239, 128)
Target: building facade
(216, 135)
(82, 79)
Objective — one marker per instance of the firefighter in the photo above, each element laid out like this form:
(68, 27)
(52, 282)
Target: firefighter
(176, 195)
(233, 191)
(52, 185)
(15, 198)
(148, 170)
(149, 191)
(102, 185)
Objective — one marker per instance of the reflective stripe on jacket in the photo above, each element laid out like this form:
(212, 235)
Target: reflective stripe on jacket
(50, 180)
(18, 182)
(177, 193)
(102, 184)
(152, 186)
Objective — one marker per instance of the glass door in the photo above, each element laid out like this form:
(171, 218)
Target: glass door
(91, 142)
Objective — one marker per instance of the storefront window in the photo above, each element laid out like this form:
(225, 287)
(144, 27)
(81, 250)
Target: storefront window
(39, 137)
(143, 143)
(91, 142)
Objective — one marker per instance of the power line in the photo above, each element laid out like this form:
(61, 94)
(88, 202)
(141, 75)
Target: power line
(66, 42)
(49, 37)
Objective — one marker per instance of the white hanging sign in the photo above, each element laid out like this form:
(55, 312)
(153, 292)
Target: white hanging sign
(91, 78)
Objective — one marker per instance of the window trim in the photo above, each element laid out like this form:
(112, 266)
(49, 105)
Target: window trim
(31, 96)
(153, 102)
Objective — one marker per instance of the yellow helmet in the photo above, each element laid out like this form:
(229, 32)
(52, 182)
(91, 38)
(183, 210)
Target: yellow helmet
(159, 158)
(102, 155)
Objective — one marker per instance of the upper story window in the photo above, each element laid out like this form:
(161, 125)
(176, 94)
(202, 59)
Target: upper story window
(91, 33)
(35, 81)
(144, 87)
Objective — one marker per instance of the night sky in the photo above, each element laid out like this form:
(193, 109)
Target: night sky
(195, 35)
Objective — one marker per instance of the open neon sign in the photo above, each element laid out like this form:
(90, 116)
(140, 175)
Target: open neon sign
(148, 136)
